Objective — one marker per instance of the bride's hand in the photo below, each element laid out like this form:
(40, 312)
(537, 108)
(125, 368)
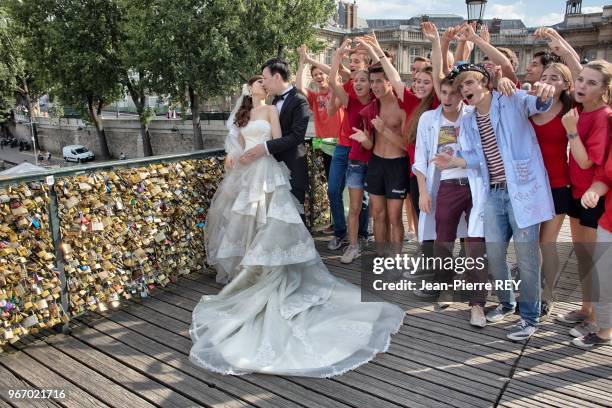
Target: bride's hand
(230, 162)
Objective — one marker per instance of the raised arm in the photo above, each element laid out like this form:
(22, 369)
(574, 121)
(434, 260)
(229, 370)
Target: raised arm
(326, 69)
(337, 88)
(333, 106)
(562, 48)
(447, 37)
(300, 81)
(431, 33)
(390, 71)
(464, 47)
(467, 31)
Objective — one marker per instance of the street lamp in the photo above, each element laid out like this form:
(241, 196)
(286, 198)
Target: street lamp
(31, 123)
(475, 13)
(475, 10)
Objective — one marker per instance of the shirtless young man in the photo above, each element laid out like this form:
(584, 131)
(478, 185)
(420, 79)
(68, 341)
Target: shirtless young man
(388, 169)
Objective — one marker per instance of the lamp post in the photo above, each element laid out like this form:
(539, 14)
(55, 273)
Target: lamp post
(475, 12)
(31, 123)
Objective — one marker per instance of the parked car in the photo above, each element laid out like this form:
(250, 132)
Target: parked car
(77, 153)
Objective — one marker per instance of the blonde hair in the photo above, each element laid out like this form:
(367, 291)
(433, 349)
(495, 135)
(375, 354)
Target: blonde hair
(462, 77)
(566, 96)
(605, 69)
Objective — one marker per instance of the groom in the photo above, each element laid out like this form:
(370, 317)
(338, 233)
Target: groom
(293, 112)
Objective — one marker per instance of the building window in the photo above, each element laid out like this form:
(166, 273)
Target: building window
(591, 54)
(414, 52)
(328, 56)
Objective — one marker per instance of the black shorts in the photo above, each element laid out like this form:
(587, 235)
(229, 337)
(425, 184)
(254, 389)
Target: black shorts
(388, 177)
(562, 197)
(587, 216)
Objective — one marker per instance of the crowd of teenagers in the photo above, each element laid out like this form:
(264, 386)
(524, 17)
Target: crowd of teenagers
(470, 152)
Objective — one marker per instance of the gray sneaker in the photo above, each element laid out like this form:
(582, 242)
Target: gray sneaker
(498, 314)
(336, 243)
(351, 253)
(591, 340)
(445, 299)
(573, 317)
(583, 329)
(523, 331)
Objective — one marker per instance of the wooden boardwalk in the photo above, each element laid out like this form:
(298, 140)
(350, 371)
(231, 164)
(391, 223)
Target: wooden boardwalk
(138, 357)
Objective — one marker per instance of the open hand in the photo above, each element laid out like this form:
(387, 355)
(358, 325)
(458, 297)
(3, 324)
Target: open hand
(345, 47)
(430, 31)
(358, 136)
(484, 33)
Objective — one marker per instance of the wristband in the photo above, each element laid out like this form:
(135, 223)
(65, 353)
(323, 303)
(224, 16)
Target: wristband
(572, 135)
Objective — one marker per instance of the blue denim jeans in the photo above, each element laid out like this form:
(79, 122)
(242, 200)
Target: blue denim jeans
(335, 188)
(499, 226)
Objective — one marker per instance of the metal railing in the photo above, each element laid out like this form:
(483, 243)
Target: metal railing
(87, 237)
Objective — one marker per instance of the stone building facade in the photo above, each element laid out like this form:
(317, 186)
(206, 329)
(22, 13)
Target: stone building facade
(590, 34)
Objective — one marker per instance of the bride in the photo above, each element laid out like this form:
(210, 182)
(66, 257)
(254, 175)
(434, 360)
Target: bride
(282, 311)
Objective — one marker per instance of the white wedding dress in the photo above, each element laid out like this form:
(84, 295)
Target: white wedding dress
(283, 312)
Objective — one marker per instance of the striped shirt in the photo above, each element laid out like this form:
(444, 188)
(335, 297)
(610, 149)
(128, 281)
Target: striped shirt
(491, 151)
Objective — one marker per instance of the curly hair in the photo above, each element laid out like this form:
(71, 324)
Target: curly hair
(243, 114)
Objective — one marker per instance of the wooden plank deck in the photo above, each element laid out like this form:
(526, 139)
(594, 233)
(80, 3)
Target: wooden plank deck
(138, 357)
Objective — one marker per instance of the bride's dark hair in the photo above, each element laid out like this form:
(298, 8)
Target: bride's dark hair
(243, 114)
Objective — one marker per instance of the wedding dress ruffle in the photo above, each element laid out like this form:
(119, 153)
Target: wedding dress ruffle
(283, 312)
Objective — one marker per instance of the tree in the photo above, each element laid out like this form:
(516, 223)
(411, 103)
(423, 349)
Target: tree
(75, 42)
(206, 48)
(136, 59)
(8, 62)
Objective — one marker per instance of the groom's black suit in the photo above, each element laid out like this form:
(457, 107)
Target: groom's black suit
(290, 147)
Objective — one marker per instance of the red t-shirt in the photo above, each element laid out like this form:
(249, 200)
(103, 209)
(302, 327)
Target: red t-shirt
(409, 104)
(353, 119)
(553, 144)
(595, 134)
(349, 89)
(325, 126)
(345, 129)
(604, 174)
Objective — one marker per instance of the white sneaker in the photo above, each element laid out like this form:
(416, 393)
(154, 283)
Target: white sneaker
(477, 316)
(351, 253)
(498, 314)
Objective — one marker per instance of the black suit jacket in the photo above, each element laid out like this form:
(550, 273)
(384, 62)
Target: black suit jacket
(290, 147)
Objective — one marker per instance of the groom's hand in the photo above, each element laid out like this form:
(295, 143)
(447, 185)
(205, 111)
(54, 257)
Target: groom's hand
(252, 154)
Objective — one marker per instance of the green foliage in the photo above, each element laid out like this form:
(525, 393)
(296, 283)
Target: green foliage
(7, 68)
(73, 44)
(56, 110)
(213, 46)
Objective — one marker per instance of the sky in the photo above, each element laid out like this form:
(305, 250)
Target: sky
(533, 12)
